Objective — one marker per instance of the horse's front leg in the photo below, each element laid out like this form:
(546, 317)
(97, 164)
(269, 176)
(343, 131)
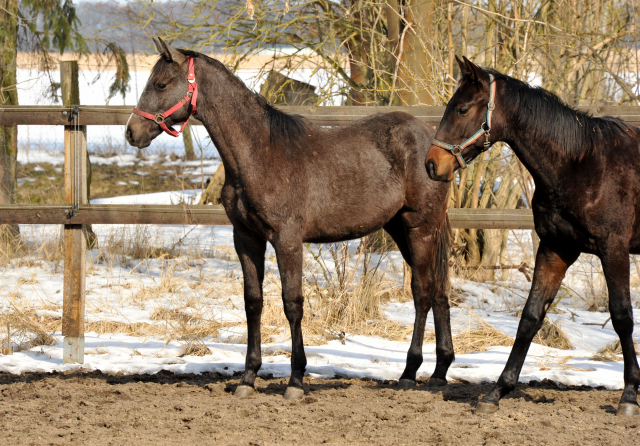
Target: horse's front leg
(615, 264)
(428, 288)
(251, 251)
(551, 265)
(288, 247)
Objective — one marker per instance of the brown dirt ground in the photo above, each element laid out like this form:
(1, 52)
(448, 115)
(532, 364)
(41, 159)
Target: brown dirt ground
(167, 409)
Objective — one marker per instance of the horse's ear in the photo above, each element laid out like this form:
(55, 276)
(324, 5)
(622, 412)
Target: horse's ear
(464, 70)
(162, 49)
(168, 52)
(474, 72)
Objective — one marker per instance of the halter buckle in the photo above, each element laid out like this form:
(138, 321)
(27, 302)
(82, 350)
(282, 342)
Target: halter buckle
(159, 119)
(491, 105)
(486, 143)
(456, 150)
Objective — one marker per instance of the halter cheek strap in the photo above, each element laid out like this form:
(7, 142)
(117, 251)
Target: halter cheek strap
(191, 97)
(485, 128)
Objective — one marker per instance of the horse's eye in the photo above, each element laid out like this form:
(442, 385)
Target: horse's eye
(462, 110)
(161, 86)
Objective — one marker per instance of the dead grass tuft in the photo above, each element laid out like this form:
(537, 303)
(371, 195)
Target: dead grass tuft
(23, 330)
(478, 336)
(610, 352)
(552, 335)
(136, 242)
(171, 314)
(193, 346)
(131, 329)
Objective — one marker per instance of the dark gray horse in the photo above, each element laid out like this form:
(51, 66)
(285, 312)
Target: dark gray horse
(289, 181)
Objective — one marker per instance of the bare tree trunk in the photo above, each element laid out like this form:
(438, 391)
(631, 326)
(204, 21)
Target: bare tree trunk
(8, 96)
(415, 63)
(214, 188)
(189, 152)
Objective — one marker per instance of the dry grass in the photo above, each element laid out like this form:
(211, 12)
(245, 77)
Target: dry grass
(141, 329)
(610, 352)
(137, 242)
(478, 336)
(46, 185)
(193, 346)
(23, 329)
(552, 335)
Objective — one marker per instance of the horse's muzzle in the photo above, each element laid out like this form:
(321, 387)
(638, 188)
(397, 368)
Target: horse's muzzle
(439, 164)
(139, 133)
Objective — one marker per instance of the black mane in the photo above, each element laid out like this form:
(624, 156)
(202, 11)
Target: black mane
(541, 112)
(282, 126)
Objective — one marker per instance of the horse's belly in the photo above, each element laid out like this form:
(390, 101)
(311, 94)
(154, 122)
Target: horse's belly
(348, 224)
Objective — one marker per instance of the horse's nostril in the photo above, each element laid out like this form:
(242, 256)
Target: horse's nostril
(431, 169)
(129, 134)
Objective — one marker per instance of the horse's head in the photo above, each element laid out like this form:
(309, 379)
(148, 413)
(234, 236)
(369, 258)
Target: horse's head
(464, 130)
(166, 87)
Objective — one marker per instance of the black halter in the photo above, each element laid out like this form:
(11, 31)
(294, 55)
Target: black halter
(485, 128)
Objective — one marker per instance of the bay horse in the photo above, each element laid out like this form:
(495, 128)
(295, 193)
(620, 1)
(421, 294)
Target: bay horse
(587, 183)
(288, 181)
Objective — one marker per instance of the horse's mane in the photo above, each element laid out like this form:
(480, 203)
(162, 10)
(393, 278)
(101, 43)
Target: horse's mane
(547, 117)
(282, 126)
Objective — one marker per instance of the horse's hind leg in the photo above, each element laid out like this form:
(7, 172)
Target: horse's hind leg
(615, 263)
(288, 247)
(551, 266)
(419, 248)
(251, 251)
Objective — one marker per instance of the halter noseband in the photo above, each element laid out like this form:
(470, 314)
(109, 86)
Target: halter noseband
(485, 128)
(192, 96)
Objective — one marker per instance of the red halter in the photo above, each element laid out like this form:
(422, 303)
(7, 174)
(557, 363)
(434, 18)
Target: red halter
(192, 96)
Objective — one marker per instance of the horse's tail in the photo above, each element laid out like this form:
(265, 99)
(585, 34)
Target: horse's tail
(443, 250)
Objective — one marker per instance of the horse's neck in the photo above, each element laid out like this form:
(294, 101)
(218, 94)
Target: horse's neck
(233, 118)
(541, 159)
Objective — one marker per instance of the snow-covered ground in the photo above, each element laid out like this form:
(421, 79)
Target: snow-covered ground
(204, 279)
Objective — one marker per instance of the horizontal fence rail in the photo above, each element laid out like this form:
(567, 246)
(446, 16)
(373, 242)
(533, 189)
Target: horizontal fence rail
(327, 116)
(181, 214)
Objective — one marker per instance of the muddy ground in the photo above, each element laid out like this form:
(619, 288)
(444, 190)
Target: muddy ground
(167, 409)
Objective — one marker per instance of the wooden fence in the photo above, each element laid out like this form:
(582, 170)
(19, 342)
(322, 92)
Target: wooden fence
(76, 212)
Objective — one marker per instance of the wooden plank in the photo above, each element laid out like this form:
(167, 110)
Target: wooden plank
(329, 116)
(215, 215)
(115, 214)
(75, 192)
(491, 218)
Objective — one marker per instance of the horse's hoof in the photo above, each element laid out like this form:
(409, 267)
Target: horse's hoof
(293, 393)
(243, 391)
(436, 382)
(628, 410)
(405, 384)
(486, 408)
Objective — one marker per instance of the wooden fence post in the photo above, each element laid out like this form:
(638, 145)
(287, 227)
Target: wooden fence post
(75, 193)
